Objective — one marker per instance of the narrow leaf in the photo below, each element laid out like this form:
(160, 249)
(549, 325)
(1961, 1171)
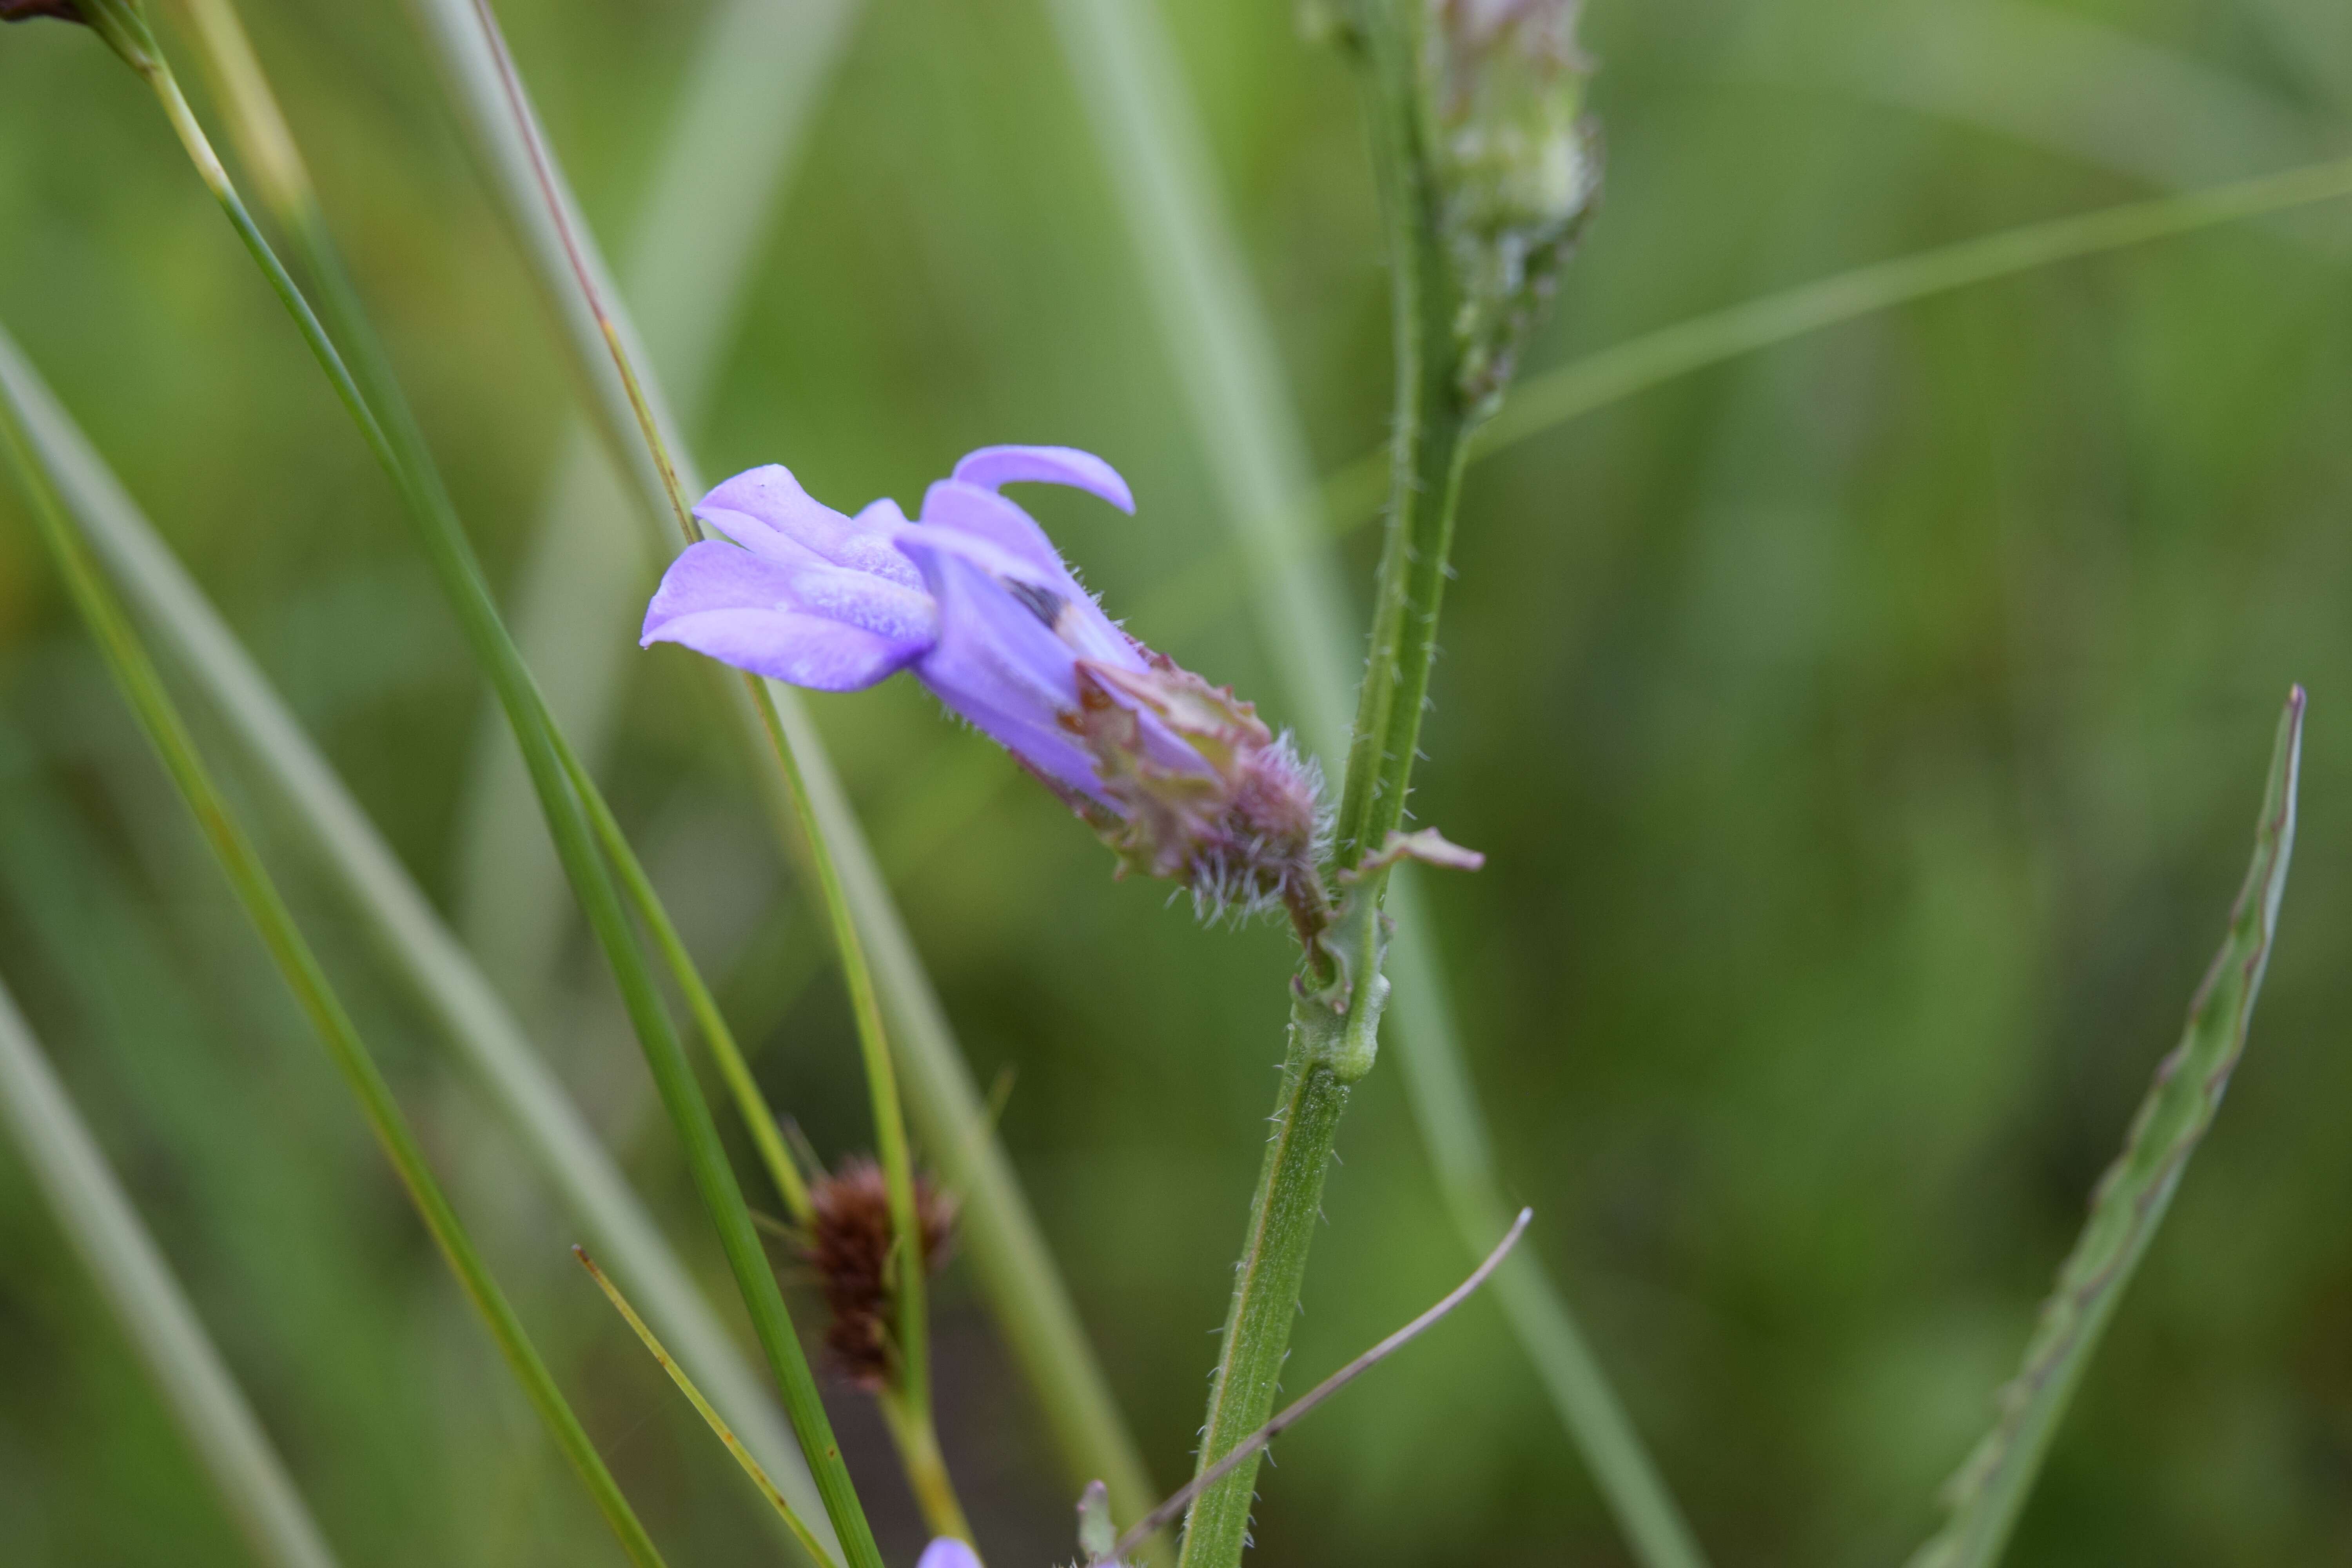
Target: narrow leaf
(368, 387)
(137, 1282)
(710, 1417)
(1001, 1236)
(142, 689)
(2130, 1200)
(403, 922)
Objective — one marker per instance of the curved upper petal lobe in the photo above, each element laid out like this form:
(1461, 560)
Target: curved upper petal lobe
(992, 466)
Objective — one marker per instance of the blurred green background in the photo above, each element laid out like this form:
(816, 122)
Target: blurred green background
(1866, 737)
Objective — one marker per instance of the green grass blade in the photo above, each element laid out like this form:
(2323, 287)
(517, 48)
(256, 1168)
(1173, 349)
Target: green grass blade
(1548, 400)
(1000, 1233)
(910, 1391)
(1215, 333)
(137, 1282)
(1544, 402)
(710, 1417)
(403, 925)
(367, 388)
(2130, 1200)
(756, 81)
(142, 689)
(700, 1002)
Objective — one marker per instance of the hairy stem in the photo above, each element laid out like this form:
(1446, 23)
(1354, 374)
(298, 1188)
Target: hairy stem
(1336, 1017)
(1273, 1267)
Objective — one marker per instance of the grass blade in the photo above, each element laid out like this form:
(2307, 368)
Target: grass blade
(403, 925)
(700, 1002)
(756, 81)
(712, 1418)
(369, 390)
(99, 1219)
(1002, 1239)
(2130, 1200)
(142, 689)
(1214, 330)
(909, 1398)
(1544, 402)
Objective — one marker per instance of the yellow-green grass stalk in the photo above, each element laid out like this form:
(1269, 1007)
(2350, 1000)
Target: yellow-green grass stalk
(912, 1401)
(759, 72)
(999, 1232)
(137, 1282)
(141, 687)
(710, 1417)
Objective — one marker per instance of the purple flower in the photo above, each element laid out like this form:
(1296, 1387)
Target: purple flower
(947, 1552)
(973, 598)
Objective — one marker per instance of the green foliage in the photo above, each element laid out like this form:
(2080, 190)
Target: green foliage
(1857, 732)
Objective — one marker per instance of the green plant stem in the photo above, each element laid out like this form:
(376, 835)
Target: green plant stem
(1283, 1217)
(401, 449)
(1426, 454)
(808, 1538)
(913, 1366)
(917, 1436)
(142, 687)
(98, 1218)
(1326, 1053)
(1215, 335)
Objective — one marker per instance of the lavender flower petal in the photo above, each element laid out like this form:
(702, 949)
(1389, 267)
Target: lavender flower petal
(1020, 551)
(992, 466)
(984, 514)
(947, 1552)
(765, 511)
(1180, 778)
(998, 665)
(752, 613)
